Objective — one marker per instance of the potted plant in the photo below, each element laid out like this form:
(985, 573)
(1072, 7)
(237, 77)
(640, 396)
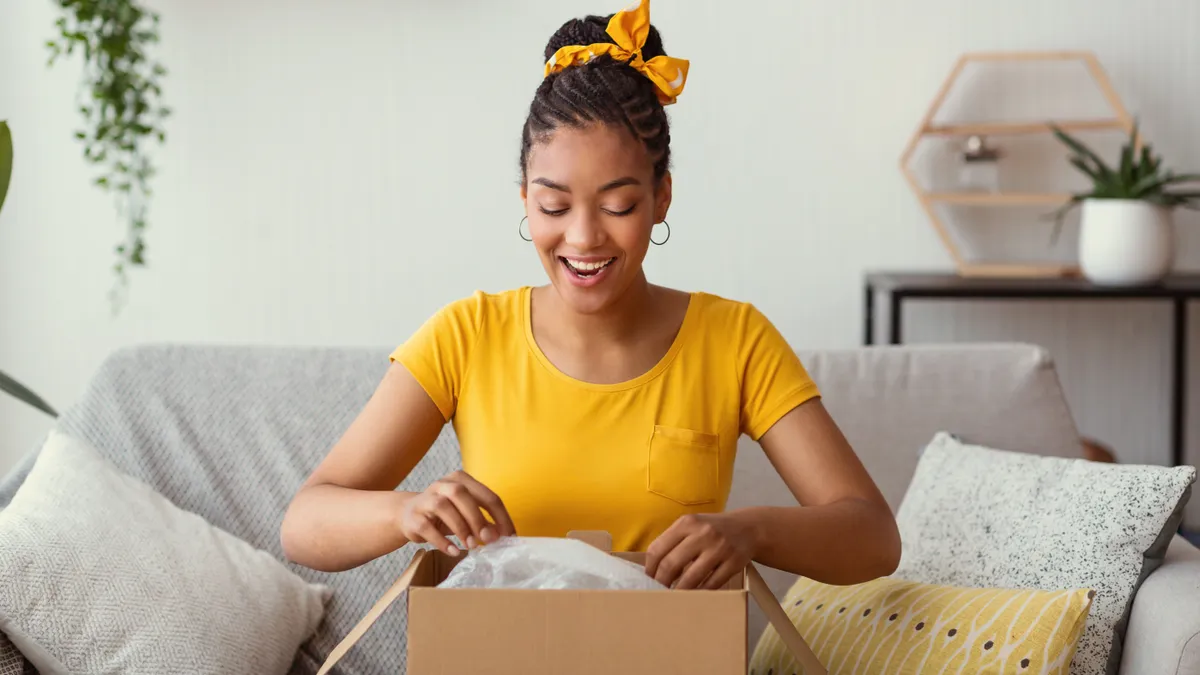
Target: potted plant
(1127, 229)
(7, 384)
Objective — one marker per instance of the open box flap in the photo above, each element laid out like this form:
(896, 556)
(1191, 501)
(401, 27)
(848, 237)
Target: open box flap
(759, 590)
(397, 589)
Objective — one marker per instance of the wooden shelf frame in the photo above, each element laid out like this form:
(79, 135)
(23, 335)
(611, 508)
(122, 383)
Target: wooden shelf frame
(1017, 128)
(999, 198)
(1121, 121)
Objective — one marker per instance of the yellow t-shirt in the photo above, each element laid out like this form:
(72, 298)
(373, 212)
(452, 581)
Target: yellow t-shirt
(627, 458)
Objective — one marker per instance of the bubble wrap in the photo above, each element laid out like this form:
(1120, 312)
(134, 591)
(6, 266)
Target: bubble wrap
(547, 563)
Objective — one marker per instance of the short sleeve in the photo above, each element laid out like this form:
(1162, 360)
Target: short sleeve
(773, 380)
(439, 353)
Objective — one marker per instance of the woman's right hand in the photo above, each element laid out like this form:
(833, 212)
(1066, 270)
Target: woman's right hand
(455, 505)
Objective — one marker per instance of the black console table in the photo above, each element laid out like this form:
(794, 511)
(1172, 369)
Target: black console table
(1177, 290)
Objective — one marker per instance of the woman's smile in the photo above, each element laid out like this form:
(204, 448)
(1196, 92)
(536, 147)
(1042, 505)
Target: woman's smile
(586, 271)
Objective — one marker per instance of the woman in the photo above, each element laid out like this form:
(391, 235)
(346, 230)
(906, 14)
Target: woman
(599, 401)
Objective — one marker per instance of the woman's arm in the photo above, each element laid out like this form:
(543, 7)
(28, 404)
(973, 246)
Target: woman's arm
(844, 531)
(348, 512)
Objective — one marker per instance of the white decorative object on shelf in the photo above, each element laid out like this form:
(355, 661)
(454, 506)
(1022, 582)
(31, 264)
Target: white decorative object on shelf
(1126, 242)
(979, 170)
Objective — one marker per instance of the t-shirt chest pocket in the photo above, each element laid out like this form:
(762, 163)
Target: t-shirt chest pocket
(684, 465)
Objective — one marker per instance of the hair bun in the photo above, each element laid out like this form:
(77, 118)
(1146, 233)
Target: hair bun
(592, 30)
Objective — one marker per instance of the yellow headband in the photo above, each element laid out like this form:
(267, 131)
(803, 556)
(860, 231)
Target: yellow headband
(629, 29)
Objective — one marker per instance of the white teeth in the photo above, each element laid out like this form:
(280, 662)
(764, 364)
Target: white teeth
(587, 266)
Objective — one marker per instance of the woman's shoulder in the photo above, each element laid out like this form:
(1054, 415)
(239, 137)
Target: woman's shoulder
(718, 311)
(470, 314)
(481, 303)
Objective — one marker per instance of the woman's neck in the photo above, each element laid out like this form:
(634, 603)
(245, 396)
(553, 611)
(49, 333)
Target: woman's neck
(618, 323)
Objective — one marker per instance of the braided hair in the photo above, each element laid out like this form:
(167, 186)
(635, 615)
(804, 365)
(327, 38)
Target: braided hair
(601, 91)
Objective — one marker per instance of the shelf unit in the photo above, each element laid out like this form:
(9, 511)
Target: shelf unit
(1121, 121)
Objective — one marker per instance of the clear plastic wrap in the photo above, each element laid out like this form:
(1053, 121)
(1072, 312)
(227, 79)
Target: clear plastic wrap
(546, 563)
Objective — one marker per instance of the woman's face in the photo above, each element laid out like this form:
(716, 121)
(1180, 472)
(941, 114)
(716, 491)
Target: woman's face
(592, 203)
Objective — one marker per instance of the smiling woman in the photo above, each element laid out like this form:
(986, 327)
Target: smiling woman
(599, 388)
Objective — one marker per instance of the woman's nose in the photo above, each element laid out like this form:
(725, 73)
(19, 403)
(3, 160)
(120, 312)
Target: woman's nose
(585, 232)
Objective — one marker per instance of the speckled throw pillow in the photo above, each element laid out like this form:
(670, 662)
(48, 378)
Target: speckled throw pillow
(981, 517)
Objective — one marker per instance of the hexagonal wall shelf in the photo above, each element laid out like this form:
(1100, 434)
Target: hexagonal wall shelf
(929, 200)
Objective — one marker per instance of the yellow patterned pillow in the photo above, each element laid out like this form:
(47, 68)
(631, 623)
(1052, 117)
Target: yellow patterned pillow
(896, 627)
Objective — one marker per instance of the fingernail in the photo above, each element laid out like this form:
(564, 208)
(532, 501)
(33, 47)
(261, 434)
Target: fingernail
(470, 542)
(488, 534)
(452, 551)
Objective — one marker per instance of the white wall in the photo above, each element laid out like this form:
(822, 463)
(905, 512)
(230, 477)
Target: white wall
(332, 176)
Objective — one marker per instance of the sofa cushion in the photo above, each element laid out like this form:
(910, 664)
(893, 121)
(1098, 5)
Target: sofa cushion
(897, 627)
(99, 574)
(976, 516)
(230, 433)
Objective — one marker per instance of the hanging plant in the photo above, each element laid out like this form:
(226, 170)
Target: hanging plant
(119, 100)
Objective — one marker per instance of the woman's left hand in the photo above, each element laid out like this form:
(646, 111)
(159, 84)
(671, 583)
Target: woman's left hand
(700, 551)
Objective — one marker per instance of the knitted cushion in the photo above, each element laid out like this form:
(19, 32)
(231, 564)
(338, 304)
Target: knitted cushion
(101, 574)
(11, 660)
(230, 433)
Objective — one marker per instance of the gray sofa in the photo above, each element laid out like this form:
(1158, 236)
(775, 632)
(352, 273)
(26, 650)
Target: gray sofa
(230, 432)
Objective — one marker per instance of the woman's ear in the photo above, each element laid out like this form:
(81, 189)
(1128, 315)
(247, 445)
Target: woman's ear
(662, 198)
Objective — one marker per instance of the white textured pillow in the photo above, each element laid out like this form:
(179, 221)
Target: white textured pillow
(975, 516)
(101, 574)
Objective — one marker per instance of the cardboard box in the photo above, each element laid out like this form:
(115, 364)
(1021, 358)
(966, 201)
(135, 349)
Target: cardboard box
(585, 632)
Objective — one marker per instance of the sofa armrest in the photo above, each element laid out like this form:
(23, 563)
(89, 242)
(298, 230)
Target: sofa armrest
(1163, 637)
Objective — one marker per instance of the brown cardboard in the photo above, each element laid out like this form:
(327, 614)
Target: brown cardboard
(585, 632)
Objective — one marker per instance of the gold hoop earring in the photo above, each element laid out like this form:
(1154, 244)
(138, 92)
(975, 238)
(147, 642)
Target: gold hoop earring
(520, 233)
(660, 243)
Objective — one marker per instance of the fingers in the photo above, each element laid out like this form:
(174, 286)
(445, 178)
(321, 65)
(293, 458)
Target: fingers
(671, 567)
(697, 571)
(474, 526)
(425, 530)
(725, 572)
(444, 509)
(664, 545)
(491, 503)
(455, 505)
(696, 551)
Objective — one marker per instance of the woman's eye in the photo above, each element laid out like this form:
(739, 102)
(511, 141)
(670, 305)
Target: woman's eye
(552, 212)
(625, 212)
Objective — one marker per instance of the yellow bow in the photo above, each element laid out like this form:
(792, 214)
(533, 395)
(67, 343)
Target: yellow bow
(629, 28)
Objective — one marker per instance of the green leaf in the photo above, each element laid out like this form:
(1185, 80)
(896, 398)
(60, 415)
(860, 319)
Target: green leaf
(1061, 213)
(22, 393)
(1082, 166)
(1082, 149)
(6, 160)
(1127, 177)
(1148, 185)
(1146, 165)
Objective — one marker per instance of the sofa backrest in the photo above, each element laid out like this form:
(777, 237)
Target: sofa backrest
(231, 432)
(889, 401)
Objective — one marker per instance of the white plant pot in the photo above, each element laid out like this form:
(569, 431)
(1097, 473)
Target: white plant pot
(1125, 242)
